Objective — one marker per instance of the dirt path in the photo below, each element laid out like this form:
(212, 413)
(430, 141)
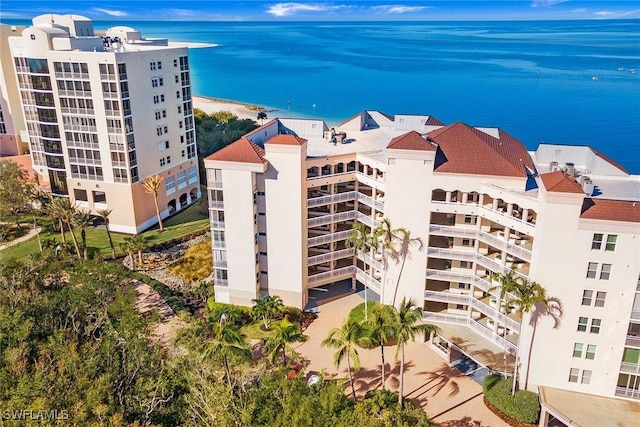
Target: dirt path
(148, 299)
(32, 232)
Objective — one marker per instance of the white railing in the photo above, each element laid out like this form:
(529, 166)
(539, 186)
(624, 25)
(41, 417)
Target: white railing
(635, 314)
(632, 393)
(475, 326)
(330, 256)
(366, 220)
(332, 198)
(368, 281)
(328, 238)
(330, 175)
(452, 298)
(447, 230)
(633, 341)
(473, 257)
(633, 368)
(216, 224)
(369, 180)
(368, 259)
(378, 205)
(331, 274)
(450, 276)
(214, 204)
(328, 219)
(219, 264)
(220, 282)
(218, 244)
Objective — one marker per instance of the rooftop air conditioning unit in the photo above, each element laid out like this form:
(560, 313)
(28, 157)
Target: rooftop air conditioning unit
(570, 169)
(553, 166)
(587, 185)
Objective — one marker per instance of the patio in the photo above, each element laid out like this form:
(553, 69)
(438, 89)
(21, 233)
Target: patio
(448, 396)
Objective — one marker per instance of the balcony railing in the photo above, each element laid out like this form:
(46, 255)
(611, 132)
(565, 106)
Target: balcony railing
(629, 392)
(473, 233)
(472, 257)
(630, 367)
(378, 205)
(633, 341)
(475, 326)
(366, 220)
(331, 274)
(369, 281)
(215, 204)
(219, 264)
(217, 224)
(328, 219)
(220, 282)
(635, 314)
(368, 259)
(328, 238)
(330, 256)
(218, 244)
(332, 198)
(488, 311)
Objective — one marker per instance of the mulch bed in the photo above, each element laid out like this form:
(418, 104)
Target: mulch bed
(506, 418)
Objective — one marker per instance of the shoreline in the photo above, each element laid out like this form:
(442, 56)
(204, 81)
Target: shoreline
(243, 110)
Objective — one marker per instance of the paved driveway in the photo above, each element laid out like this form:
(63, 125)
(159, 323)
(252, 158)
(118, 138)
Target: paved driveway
(446, 394)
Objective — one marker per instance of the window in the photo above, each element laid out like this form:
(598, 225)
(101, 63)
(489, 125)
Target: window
(158, 115)
(597, 241)
(182, 153)
(586, 297)
(180, 124)
(591, 352)
(159, 65)
(159, 131)
(592, 270)
(80, 195)
(163, 161)
(179, 109)
(595, 326)
(162, 97)
(577, 349)
(582, 324)
(611, 243)
(467, 219)
(462, 285)
(156, 99)
(600, 297)
(170, 184)
(605, 272)
(193, 175)
(99, 197)
(152, 65)
(160, 81)
(466, 242)
(178, 94)
(154, 82)
(166, 145)
(177, 78)
(161, 146)
(165, 128)
(164, 114)
(464, 264)
(573, 375)
(175, 62)
(168, 159)
(586, 377)
(182, 179)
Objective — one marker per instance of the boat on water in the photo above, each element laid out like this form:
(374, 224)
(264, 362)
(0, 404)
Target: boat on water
(594, 78)
(632, 70)
(620, 68)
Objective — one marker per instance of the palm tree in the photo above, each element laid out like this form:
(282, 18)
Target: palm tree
(524, 294)
(387, 238)
(82, 219)
(405, 240)
(408, 324)
(360, 240)
(380, 327)
(136, 243)
(506, 281)
(151, 185)
(345, 339)
(227, 341)
(104, 214)
(67, 212)
(285, 333)
(266, 308)
(55, 212)
(552, 308)
(261, 116)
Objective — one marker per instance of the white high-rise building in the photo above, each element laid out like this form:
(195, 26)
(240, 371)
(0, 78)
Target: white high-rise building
(104, 110)
(475, 204)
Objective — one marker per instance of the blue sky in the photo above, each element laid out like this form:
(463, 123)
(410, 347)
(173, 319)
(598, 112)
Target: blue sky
(348, 10)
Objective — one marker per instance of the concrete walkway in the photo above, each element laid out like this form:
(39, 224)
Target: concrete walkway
(32, 232)
(448, 396)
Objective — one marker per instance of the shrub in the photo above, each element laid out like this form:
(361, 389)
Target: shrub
(524, 406)
(196, 264)
(235, 314)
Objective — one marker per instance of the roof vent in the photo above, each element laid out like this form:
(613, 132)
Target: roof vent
(570, 169)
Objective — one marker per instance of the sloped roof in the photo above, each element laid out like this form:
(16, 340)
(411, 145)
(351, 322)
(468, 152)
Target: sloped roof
(560, 182)
(470, 151)
(609, 160)
(411, 141)
(286, 139)
(242, 151)
(611, 210)
(432, 121)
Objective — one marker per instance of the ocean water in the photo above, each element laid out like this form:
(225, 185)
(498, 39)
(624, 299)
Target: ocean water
(533, 79)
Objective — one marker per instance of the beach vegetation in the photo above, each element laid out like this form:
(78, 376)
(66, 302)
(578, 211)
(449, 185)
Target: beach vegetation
(522, 406)
(17, 192)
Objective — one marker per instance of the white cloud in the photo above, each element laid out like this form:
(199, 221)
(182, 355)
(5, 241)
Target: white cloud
(110, 12)
(546, 3)
(617, 13)
(287, 9)
(398, 8)
(580, 10)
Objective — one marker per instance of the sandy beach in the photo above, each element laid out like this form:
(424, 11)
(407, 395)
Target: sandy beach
(240, 109)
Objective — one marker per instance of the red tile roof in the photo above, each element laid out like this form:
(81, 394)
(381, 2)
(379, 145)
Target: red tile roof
(411, 141)
(560, 182)
(471, 151)
(243, 151)
(286, 139)
(432, 121)
(611, 210)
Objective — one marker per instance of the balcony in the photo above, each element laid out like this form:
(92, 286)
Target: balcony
(328, 219)
(369, 260)
(631, 393)
(630, 367)
(330, 256)
(331, 275)
(219, 264)
(498, 343)
(368, 281)
(633, 341)
(328, 238)
(635, 314)
(486, 262)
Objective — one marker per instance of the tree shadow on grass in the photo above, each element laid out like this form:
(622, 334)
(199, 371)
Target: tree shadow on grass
(463, 422)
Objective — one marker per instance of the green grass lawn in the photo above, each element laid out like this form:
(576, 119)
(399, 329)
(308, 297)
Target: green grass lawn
(253, 331)
(185, 223)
